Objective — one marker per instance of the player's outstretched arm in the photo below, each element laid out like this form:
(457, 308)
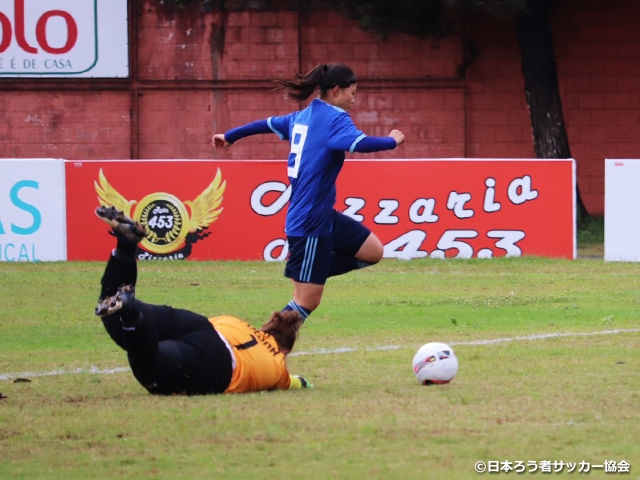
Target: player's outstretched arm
(225, 140)
(379, 144)
(218, 141)
(398, 136)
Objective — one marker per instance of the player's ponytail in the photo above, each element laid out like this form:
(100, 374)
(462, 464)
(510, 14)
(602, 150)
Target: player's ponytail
(284, 326)
(324, 76)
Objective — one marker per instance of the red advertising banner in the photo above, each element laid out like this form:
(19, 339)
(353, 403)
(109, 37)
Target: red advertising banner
(235, 210)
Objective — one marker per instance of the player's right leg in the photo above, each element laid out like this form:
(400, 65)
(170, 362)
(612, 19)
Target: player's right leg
(121, 268)
(121, 225)
(371, 250)
(354, 246)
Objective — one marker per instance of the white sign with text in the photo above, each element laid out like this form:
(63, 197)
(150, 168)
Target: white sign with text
(32, 210)
(622, 210)
(64, 38)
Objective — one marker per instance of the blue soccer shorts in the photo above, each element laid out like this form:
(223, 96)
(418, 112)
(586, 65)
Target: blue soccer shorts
(309, 258)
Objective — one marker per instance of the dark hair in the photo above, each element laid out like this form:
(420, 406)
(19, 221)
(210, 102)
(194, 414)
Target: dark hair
(284, 326)
(324, 76)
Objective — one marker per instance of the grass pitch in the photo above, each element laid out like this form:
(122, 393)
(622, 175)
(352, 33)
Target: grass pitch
(569, 396)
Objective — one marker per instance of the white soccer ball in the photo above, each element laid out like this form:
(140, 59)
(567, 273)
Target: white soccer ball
(435, 363)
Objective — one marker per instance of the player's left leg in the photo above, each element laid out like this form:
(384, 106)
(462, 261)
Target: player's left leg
(354, 246)
(306, 298)
(308, 267)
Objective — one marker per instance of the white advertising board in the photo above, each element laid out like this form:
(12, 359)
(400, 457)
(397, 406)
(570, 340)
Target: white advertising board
(64, 38)
(32, 210)
(622, 210)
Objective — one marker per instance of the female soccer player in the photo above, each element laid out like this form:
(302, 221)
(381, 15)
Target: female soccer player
(322, 242)
(173, 351)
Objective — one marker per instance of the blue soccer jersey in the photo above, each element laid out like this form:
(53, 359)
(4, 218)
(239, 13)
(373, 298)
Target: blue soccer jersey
(319, 136)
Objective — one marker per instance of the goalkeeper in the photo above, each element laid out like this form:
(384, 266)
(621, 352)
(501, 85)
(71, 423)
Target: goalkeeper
(175, 351)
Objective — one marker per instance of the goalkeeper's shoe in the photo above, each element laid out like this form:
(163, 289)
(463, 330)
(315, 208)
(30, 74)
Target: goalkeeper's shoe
(298, 383)
(120, 302)
(121, 225)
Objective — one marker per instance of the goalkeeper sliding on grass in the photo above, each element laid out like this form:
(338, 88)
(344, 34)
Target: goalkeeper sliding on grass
(174, 351)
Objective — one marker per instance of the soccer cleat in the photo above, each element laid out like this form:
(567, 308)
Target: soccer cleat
(121, 301)
(121, 225)
(298, 383)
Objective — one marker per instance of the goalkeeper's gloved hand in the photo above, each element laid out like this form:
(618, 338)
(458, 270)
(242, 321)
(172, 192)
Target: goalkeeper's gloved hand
(298, 382)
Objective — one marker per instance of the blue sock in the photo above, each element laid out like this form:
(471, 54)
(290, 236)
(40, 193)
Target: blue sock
(304, 313)
(341, 264)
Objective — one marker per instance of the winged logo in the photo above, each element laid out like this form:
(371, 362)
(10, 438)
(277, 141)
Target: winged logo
(168, 220)
(205, 209)
(110, 197)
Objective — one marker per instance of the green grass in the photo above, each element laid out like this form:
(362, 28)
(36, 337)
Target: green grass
(592, 232)
(591, 237)
(571, 398)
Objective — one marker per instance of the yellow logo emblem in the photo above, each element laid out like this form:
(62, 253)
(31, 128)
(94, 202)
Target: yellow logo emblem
(171, 227)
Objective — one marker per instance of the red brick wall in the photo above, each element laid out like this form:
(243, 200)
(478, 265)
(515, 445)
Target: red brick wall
(188, 82)
(598, 49)
(64, 124)
(497, 114)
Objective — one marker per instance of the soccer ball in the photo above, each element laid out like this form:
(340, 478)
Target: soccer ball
(435, 363)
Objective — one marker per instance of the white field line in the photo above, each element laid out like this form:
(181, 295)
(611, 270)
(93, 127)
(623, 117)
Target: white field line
(541, 336)
(62, 371)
